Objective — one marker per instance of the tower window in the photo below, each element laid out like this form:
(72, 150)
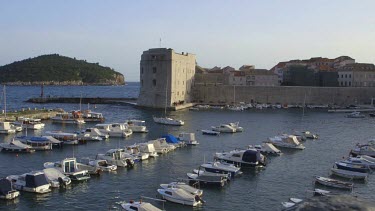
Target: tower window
(154, 69)
(154, 82)
(141, 70)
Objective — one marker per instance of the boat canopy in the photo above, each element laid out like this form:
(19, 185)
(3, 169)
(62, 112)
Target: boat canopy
(171, 139)
(53, 173)
(5, 186)
(33, 181)
(251, 156)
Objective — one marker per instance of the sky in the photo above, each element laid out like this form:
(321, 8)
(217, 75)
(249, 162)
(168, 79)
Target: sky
(220, 32)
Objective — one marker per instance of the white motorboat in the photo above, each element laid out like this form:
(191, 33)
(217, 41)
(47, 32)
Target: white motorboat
(168, 121)
(221, 168)
(180, 196)
(310, 135)
(365, 149)
(68, 167)
(207, 179)
(7, 191)
(236, 125)
(139, 206)
(293, 202)
(286, 141)
(69, 118)
(136, 152)
(242, 158)
(137, 126)
(103, 165)
(114, 130)
(34, 182)
(210, 132)
(349, 174)
(37, 143)
(266, 148)
(236, 108)
(30, 123)
(92, 134)
(90, 116)
(161, 148)
(66, 138)
(15, 146)
(148, 148)
(334, 183)
(56, 178)
(6, 128)
(355, 114)
(206, 173)
(188, 138)
(224, 128)
(184, 186)
(116, 157)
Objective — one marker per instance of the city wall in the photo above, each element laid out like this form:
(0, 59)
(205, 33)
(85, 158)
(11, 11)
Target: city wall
(224, 94)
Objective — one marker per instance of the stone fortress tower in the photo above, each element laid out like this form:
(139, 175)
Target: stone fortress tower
(166, 78)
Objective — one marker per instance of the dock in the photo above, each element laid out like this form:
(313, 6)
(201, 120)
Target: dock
(85, 100)
(351, 110)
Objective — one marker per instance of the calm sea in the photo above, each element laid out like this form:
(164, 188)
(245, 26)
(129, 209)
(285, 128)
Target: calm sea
(289, 175)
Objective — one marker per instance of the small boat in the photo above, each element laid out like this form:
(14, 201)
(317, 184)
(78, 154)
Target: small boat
(6, 128)
(210, 180)
(236, 126)
(362, 161)
(15, 146)
(135, 151)
(69, 118)
(137, 126)
(148, 148)
(68, 167)
(7, 191)
(117, 157)
(139, 206)
(321, 192)
(293, 202)
(90, 116)
(37, 143)
(222, 168)
(242, 158)
(210, 132)
(66, 138)
(224, 128)
(266, 148)
(349, 174)
(56, 178)
(30, 123)
(180, 196)
(286, 141)
(310, 135)
(184, 186)
(171, 141)
(372, 114)
(103, 165)
(168, 121)
(35, 182)
(114, 129)
(355, 114)
(161, 146)
(206, 173)
(188, 138)
(334, 183)
(352, 167)
(364, 149)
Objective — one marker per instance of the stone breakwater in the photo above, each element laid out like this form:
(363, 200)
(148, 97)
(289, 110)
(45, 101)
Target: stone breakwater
(29, 113)
(224, 94)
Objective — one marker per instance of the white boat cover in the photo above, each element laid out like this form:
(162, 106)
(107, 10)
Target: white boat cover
(53, 174)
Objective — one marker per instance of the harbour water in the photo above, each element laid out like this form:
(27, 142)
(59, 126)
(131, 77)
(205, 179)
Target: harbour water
(289, 175)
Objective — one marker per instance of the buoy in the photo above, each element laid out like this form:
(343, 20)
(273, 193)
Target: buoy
(16, 155)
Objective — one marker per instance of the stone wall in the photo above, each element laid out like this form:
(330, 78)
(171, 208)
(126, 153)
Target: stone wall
(223, 94)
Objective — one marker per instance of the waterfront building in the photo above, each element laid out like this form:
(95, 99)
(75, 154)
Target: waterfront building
(357, 75)
(166, 78)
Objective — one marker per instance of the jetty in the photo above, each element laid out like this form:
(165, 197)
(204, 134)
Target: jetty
(85, 100)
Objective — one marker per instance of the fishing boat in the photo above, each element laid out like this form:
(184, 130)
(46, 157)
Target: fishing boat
(30, 123)
(7, 191)
(116, 157)
(222, 168)
(188, 138)
(68, 167)
(209, 180)
(114, 130)
(168, 121)
(355, 114)
(352, 167)
(224, 128)
(66, 138)
(37, 143)
(103, 165)
(236, 125)
(364, 149)
(69, 118)
(137, 126)
(266, 148)
(210, 132)
(349, 174)
(56, 178)
(6, 128)
(90, 116)
(34, 182)
(180, 196)
(15, 146)
(184, 186)
(286, 141)
(139, 206)
(242, 158)
(334, 183)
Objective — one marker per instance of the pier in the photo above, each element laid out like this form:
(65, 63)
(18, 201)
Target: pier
(85, 100)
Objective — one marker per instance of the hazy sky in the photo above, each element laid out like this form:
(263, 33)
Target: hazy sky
(220, 32)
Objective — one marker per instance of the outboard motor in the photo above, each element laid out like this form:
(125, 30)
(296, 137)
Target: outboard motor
(130, 163)
(61, 182)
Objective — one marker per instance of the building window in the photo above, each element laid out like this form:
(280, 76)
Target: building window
(350, 75)
(182, 92)
(350, 83)
(141, 82)
(154, 82)
(342, 83)
(178, 93)
(345, 76)
(154, 69)
(345, 83)
(342, 76)
(141, 70)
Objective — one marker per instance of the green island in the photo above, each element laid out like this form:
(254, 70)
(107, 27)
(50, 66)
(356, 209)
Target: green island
(55, 69)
